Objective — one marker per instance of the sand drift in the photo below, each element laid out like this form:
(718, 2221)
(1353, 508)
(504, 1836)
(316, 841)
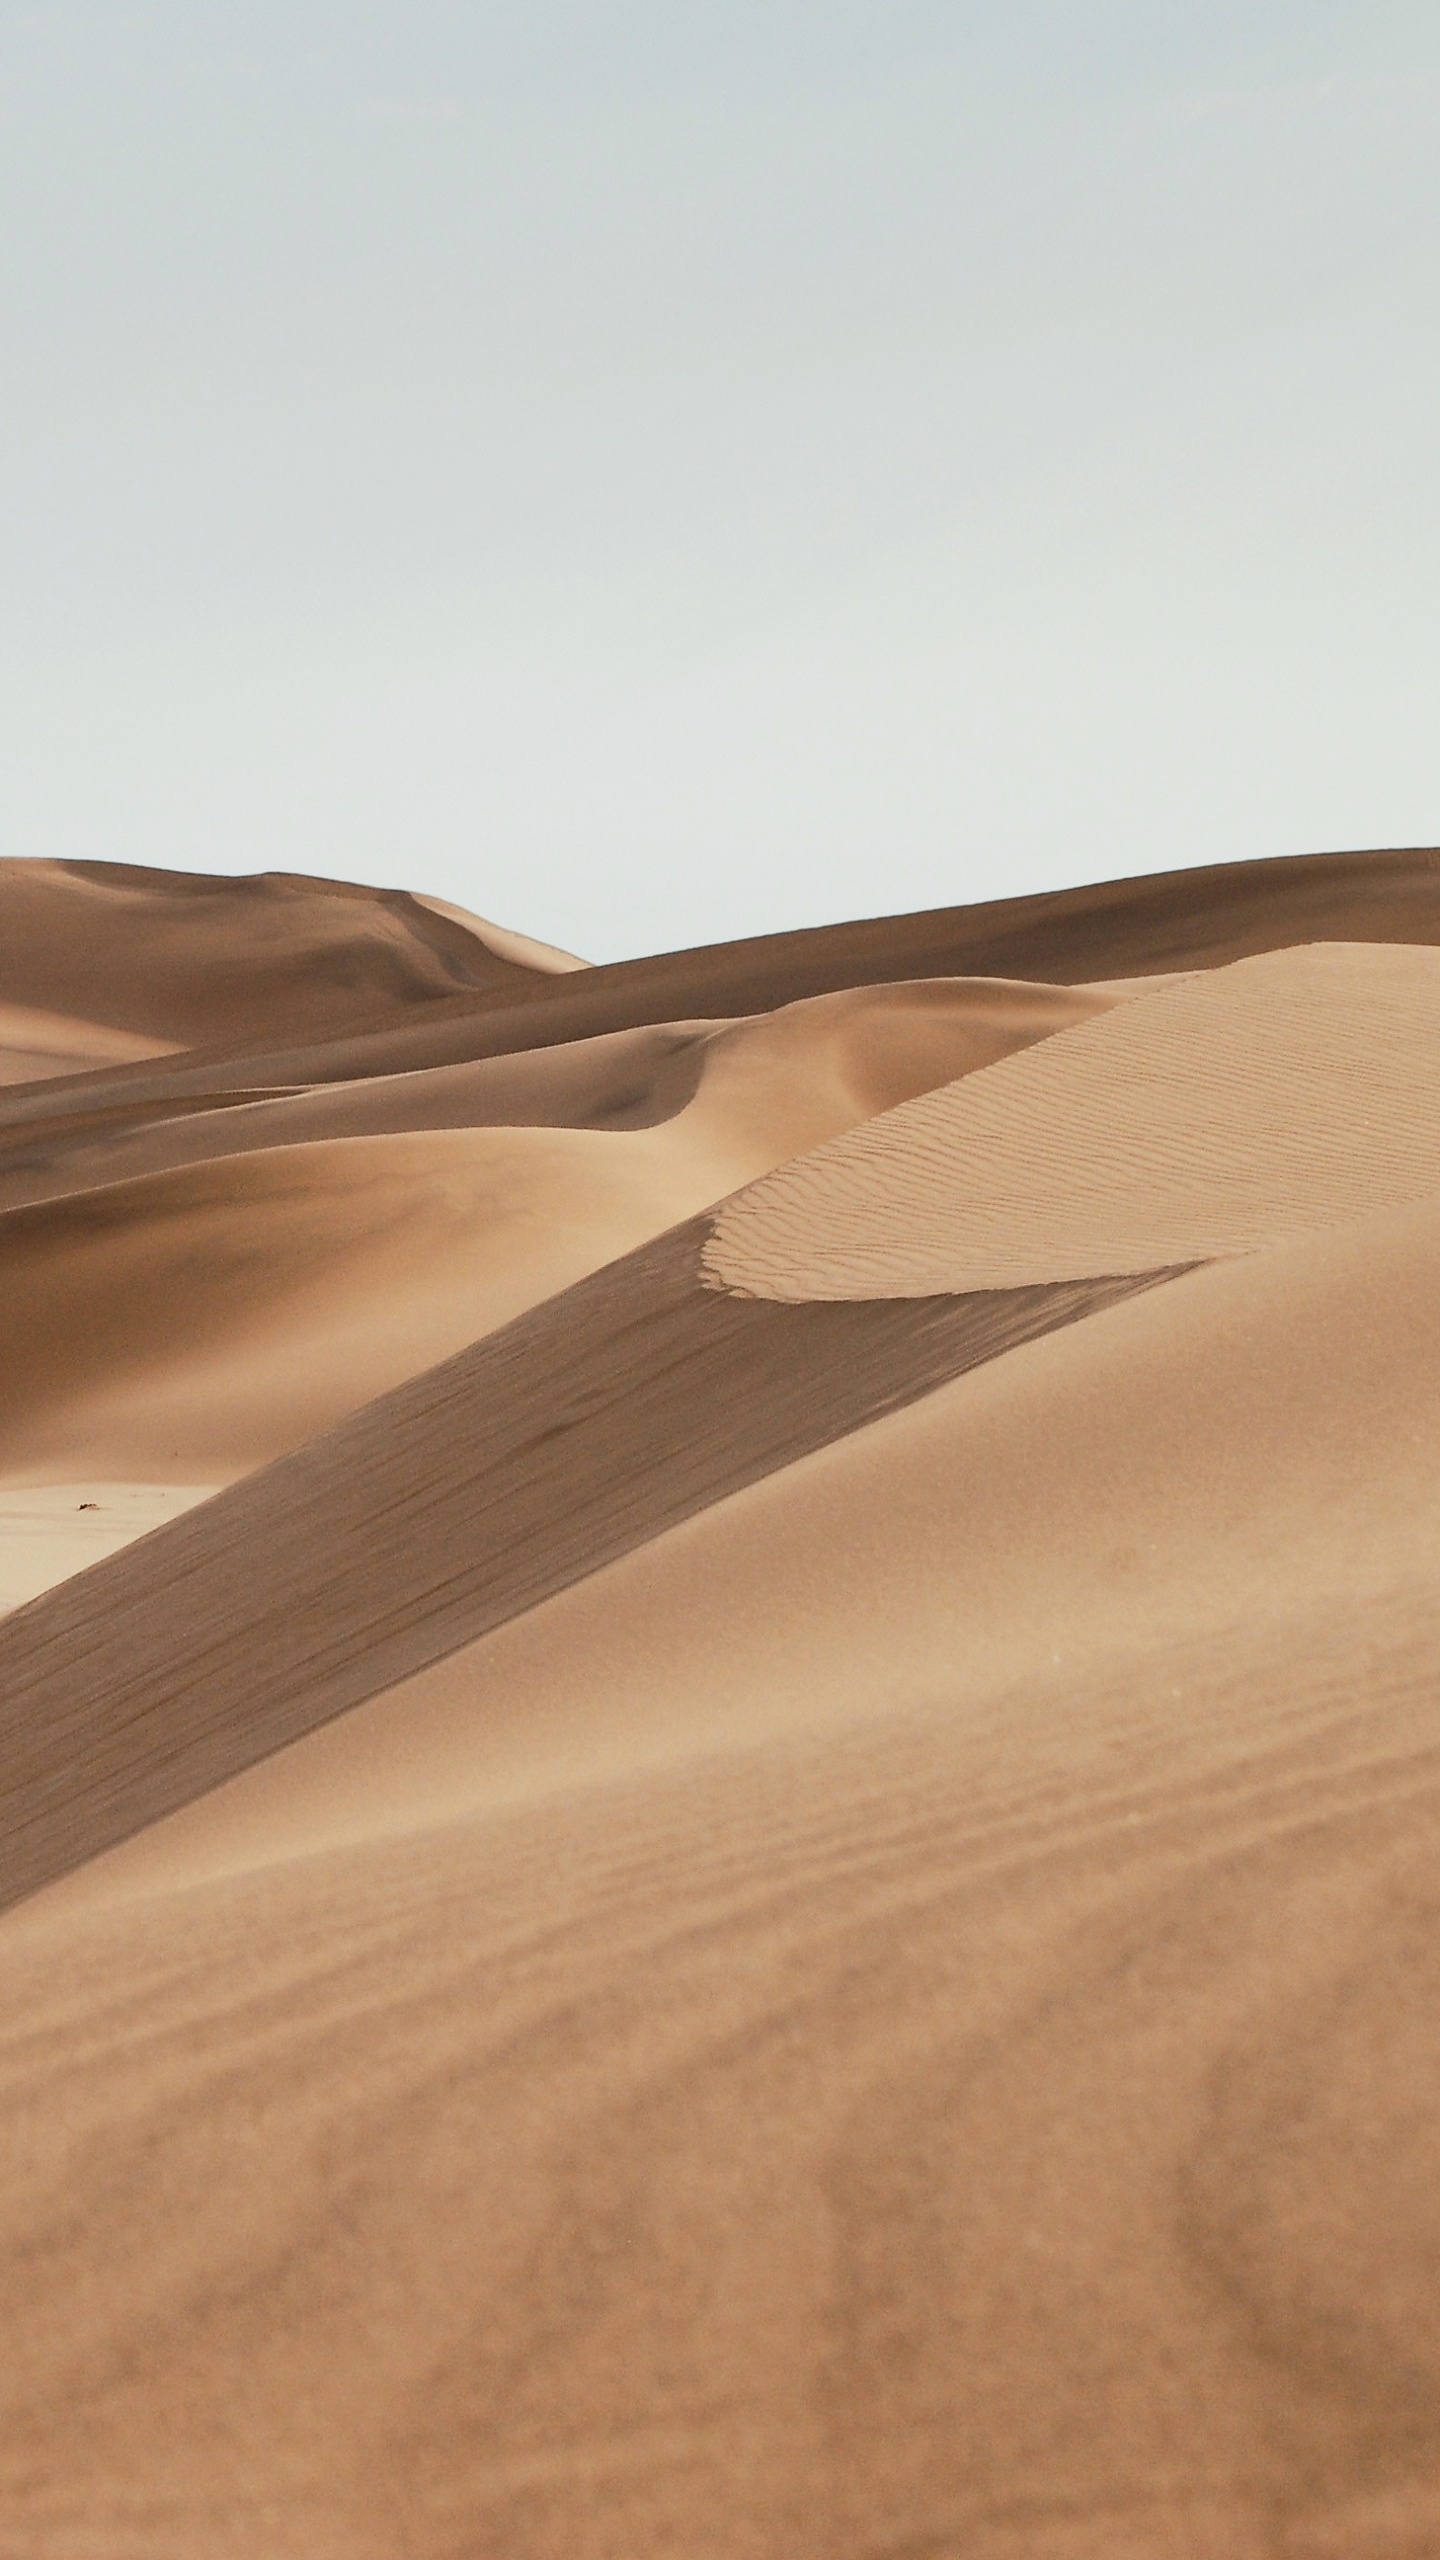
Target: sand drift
(720, 1728)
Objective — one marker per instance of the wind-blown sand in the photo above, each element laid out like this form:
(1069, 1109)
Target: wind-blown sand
(837, 1959)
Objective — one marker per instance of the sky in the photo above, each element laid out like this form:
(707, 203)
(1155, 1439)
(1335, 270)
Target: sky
(658, 470)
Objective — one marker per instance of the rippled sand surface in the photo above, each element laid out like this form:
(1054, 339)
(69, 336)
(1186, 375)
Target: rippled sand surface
(720, 1728)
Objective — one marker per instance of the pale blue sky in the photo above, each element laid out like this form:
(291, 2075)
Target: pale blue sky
(654, 472)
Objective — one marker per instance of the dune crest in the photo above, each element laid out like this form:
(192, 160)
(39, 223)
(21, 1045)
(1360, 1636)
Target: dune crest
(718, 1729)
(1216, 1116)
(200, 1293)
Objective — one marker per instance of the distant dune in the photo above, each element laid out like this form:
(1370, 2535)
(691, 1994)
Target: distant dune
(718, 1728)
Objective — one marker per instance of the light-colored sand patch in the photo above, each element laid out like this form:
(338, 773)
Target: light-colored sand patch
(1216, 1116)
(49, 1531)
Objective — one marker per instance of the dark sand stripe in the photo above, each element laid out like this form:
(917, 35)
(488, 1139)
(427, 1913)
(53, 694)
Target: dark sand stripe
(543, 1452)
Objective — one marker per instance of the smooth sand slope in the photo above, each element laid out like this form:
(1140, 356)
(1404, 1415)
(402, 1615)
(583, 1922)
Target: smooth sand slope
(198, 1294)
(919, 2093)
(50, 1531)
(178, 958)
(837, 1957)
(35, 1045)
(1215, 1116)
(1129, 929)
(567, 1438)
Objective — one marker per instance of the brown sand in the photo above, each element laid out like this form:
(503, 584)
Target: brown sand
(1126, 929)
(181, 958)
(860, 1983)
(197, 1294)
(1217, 1116)
(35, 1045)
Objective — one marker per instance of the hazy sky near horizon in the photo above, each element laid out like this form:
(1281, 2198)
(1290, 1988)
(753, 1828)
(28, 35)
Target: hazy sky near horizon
(653, 471)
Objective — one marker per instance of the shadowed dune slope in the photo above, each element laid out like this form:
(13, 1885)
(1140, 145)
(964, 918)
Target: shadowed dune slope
(1086, 1494)
(1212, 1117)
(198, 1294)
(1173, 921)
(188, 959)
(572, 1435)
(796, 1075)
(968, 2093)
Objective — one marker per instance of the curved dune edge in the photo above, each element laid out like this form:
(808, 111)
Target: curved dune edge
(187, 959)
(1114, 931)
(946, 1548)
(521, 949)
(757, 1927)
(1217, 1116)
(967, 2104)
(456, 1502)
(199, 1293)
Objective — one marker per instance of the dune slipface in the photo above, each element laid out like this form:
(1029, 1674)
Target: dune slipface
(720, 1831)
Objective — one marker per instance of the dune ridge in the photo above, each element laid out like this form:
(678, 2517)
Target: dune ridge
(183, 957)
(1262, 1100)
(1175, 921)
(200, 1292)
(557, 1443)
(759, 1900)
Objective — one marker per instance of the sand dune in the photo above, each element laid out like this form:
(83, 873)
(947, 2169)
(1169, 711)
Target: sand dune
(930, 1559)
(933, 2102)
(49, 1532)
(189, 959)
(296, 1257)
(1124, 929)
(35, 1045)
(567, 1438)
(788, 1906)
(1217, 1116)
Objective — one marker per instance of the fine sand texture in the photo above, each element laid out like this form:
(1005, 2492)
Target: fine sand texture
(1213, 1117)
(199, 1292)
(720, 1808)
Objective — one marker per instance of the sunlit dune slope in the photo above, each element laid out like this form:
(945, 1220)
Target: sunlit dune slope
(464, 1498)
(773, 1895)
(1085, 1494)
(50, 1531)
(282, 1262)
(908, 2031)
(1213, 1117)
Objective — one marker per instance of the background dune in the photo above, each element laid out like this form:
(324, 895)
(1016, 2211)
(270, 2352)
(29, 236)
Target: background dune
(185, 958)
(35, 1045)
(286, 1260)
(1125, 929)
(789, 1906)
